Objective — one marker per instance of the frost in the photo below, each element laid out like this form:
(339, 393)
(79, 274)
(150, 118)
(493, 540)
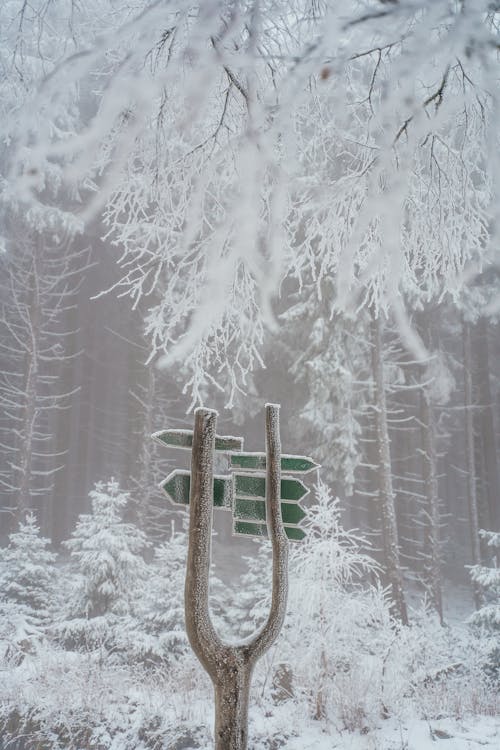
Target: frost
(228, 149)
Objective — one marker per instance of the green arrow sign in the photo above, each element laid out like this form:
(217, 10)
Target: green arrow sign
(248, 509)
(257, 462)
(255, 486)
(184, 439)
(178, 483)
(245, 528)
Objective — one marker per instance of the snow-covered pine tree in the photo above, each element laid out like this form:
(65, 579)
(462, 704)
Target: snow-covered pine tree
(488, 581)
(487, 618)
(242, 607)
(27, 586)
(328, 356)
(161, 632)
(107, 558)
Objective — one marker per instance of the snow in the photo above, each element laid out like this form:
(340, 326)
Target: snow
(311, 184)
(131, 680)
(414, 734)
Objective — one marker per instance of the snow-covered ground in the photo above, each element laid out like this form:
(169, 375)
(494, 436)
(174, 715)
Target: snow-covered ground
(414, 734)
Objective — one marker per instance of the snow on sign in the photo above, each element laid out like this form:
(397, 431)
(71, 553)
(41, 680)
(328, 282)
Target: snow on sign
(178, 484)
(244, 490)
(184, 439)
(246, 528)
(249, 505)
(247, 508)
(257, 462)
(255, 486)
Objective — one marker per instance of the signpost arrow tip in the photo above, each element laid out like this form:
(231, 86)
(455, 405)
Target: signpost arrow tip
(178, 485)
(184, 439)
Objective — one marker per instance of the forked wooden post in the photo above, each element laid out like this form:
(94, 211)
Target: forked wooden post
(230, 666)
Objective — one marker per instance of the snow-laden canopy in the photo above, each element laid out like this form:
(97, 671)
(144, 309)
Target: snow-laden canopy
(228, 145)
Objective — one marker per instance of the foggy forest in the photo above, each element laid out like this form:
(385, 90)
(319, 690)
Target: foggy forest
(249, 374)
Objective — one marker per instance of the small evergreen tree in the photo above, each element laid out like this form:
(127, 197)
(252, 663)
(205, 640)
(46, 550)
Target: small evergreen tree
(107, 552)
(107, 555)
(240, 609)
(161, 632)
(488, 580)
(27, 585)
(487, 618)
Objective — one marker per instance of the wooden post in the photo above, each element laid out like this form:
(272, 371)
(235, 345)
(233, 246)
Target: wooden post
(230, 667)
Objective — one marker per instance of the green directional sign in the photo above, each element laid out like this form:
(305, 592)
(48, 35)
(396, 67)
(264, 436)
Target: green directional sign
(255, 486)
(248, 509)
(260, 529)
(184, 439)
(257, 462)
(244, 490)
(177, 486)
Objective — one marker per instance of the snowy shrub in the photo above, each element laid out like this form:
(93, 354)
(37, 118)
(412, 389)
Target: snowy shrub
(344, 656)
(63, 700)
(28, 588)
(324, 627)
(444, 669)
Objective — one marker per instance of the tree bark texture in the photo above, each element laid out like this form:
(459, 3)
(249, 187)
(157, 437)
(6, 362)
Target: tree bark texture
(230, 667)
(386, 492)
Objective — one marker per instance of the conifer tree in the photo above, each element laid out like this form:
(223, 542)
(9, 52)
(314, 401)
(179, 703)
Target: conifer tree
(241, 608)
(27, 584)
(161, 632)
(107, 554)
(328, 356)
(488, 581)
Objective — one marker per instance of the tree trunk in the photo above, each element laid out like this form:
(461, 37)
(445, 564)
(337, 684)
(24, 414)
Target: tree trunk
(469, 454)
(486, 424)
(30, 390)
(386, 493)
(144, 494)
(230, 666)
(432, 515)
